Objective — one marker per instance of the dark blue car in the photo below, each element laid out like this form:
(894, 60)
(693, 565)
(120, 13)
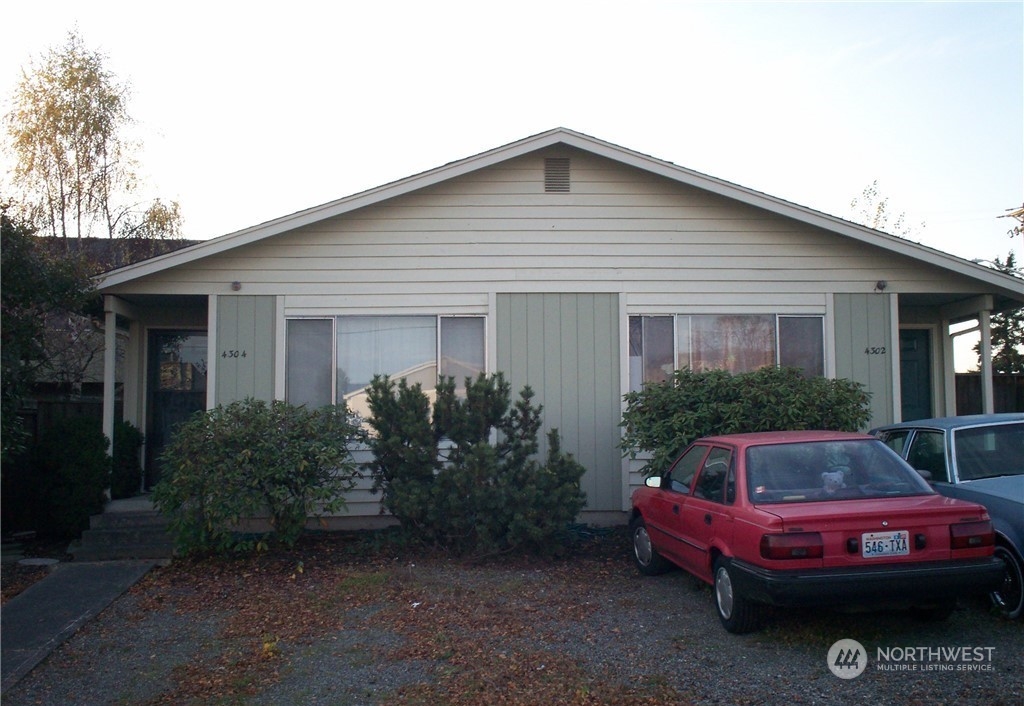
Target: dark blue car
(978, 458)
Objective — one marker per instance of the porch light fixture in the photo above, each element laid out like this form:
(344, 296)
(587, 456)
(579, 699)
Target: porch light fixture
(880, 285)
(235, 286)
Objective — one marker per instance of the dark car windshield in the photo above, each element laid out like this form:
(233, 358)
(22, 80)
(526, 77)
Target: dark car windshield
(829, 470)
(989, 451)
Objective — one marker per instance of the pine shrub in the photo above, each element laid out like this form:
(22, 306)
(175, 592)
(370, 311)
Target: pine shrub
(126, 468)
(467, 477)
(74, 470)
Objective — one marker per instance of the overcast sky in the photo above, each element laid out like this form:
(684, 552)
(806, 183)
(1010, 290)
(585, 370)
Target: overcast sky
(249, 112)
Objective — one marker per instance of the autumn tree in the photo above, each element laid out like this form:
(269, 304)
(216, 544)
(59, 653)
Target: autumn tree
(871, 209)
(74, 166)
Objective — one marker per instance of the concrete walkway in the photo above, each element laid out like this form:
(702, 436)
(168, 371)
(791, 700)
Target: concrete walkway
(36, 621)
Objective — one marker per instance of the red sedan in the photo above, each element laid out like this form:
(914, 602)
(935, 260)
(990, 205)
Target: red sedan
(810, 518)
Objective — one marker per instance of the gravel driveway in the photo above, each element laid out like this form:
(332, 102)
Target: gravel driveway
(330, 623)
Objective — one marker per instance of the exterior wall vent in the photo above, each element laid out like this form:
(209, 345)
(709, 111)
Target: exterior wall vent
(556, 175)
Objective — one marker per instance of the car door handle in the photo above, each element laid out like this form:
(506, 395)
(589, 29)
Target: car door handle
(675, 509)
(707, 519)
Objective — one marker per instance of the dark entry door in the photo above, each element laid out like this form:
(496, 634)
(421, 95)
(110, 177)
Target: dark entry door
(177, 389)
(915, 373)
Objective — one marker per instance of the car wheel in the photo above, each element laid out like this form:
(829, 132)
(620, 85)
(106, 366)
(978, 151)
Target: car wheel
(738, 614)
(647, 558)
(1009, 597)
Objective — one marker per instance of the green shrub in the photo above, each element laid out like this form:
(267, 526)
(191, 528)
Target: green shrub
(126, 466)
(19, 493)
(467, 477)
(251, 459)
(74, 471)
(404, 451)
(663, 418)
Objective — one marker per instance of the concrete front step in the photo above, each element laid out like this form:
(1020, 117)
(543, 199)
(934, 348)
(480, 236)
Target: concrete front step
(122, 551)
(109, 537)
(135, 519)
(127, 529)
(108, 545)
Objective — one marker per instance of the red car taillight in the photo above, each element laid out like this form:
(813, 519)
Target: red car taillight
(795, 545)
(971, 535)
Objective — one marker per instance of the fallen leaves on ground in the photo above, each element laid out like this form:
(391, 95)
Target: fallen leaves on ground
(15, 578)
(489, 631)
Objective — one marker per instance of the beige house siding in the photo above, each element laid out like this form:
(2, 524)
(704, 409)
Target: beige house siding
(471, 237)
(495, 230)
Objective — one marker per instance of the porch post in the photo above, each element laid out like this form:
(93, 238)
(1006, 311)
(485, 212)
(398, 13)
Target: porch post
(109, 374)
(985, 353)
(980, 309)
(948, 370)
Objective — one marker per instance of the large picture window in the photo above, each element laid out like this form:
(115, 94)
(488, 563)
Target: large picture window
(399, 346)
(659, 345)
(735, 343)
(333, 360)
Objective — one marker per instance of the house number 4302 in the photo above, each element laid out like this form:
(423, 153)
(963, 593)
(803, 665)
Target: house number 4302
(233, 354)
(874, 350)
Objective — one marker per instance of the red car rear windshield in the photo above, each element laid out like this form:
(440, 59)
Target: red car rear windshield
(829, 470)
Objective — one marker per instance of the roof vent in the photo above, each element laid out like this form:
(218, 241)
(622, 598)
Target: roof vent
(556, 175)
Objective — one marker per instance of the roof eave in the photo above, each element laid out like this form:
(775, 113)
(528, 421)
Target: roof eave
(1006, 284)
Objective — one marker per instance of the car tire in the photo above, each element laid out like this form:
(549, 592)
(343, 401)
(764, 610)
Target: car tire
(738, 614)
(1009, 597)
(646, 557)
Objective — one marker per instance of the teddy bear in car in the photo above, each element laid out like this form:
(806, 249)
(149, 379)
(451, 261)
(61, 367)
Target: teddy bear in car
(833, 480)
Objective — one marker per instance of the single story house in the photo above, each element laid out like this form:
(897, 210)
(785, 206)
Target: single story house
(576, 266)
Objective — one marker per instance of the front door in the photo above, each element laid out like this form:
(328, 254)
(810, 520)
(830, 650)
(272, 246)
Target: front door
(177, 389)
(915, 374)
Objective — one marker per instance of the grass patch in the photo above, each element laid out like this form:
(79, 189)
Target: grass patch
(362, 583)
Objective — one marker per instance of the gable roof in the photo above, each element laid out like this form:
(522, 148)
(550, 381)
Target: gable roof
(1005, 284)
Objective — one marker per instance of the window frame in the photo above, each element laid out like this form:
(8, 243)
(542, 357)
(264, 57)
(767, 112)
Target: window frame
(917, 446)
(333, 318)
(334, 352)
(682, 359)
(715, 458)
(700, 452)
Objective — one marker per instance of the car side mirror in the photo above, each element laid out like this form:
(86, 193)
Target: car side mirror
(653, 482)
(927, 475)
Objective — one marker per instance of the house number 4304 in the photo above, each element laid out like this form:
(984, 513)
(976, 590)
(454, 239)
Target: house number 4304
(233, 354)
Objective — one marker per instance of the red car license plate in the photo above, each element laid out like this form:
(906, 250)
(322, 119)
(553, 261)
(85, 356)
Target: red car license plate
(874, 544)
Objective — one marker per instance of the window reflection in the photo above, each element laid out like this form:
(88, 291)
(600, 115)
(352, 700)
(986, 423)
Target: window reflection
(738, 343)
(334, 360)
(183, 362)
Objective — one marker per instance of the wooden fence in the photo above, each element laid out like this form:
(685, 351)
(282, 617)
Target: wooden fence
(1007, 393)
